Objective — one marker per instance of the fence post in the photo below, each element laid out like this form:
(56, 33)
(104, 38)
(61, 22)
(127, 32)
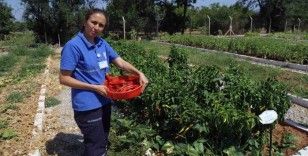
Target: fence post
(157, 18)
(285, 25)
(230, 31)
(299, 24)
(123, 27)
(209, 24)
(250, 23)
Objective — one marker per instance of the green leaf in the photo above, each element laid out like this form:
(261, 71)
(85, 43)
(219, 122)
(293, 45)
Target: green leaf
(8, 134)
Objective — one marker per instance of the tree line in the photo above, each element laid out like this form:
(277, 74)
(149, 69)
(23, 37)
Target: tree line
(54, 20)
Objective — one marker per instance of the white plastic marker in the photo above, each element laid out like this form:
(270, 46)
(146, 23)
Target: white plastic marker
(267, 118)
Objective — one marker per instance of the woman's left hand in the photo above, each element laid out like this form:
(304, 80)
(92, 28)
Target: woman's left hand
(143, 80)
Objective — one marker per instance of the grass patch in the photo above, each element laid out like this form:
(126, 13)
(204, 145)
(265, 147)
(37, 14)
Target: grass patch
(15, 97)
(9, 106)
(3, 124)
(52, 101)
(30, 70)
(26, 38)
(20, 51)
(7, 134)
(25, 58)
(7, 62)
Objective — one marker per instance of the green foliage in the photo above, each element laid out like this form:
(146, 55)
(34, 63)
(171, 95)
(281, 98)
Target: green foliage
(252, 34)
(171, 21)
(19, 26)
(138, 15)
(48, 19)
(204, 30)
(7, 62)
(130, 136)
(194, 103)
(274, 96)
(7, 134)
(271, 48)
(288, 140)
(133, 34)
(177, 59)
(51, 101)
(24, 59)
(184, 4)
(306, 36)
(278, 11)
(289, 36)
(3, 124)
(8, 106)
(220, 17)
(254, 146)
(20, 40)
(15, 97)
(34, 62)
(6, 19)
(296, 9)
(233, 151)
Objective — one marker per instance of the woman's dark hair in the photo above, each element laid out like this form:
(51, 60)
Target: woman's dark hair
(91, 12)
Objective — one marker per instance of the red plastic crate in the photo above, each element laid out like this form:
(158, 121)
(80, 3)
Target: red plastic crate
(123, 87)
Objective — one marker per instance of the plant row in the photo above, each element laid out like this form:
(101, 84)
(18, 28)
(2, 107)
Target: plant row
(194, 110)
(24, 60)
(270, 48)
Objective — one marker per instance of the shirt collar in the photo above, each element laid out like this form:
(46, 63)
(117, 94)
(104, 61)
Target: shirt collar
(98, 41)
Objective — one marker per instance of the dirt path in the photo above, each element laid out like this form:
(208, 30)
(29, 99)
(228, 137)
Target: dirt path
(61, 134)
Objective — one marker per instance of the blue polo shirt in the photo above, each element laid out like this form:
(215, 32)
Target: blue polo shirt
(89, 63)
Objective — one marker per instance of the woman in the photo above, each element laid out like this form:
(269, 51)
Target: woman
(85, 61)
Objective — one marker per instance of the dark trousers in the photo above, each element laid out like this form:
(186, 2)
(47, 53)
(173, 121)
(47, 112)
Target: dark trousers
(94, 125)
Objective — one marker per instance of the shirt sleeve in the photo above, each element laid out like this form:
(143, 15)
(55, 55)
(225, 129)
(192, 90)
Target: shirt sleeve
(111, 53)
(69, 57)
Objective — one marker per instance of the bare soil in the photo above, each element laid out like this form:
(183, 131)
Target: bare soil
(21, 119)
(301, 137)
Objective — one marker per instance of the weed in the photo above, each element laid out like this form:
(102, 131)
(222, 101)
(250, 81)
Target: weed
(9, 106)
(288, 140)
(3, 124)
(7, 62)
(20, 51)
(52, 101)
(7, 134)
(15, 97)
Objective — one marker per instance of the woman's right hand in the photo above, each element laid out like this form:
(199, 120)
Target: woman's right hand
(101, 89)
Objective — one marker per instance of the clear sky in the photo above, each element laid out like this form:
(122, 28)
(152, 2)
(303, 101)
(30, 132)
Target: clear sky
(18, 9)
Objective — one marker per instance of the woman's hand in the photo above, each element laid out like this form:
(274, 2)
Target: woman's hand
(143, 81)
(122, 64)
(101, 89)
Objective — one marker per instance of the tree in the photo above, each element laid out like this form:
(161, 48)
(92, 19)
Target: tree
(19, 26)
(51, 19)
(185, 4)
(296, 9)
(171, 21)
(67, 18)
(37, 13)
(271, 14)
(220, 17)
(7, 18)
(139, 15)
(142, 15)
